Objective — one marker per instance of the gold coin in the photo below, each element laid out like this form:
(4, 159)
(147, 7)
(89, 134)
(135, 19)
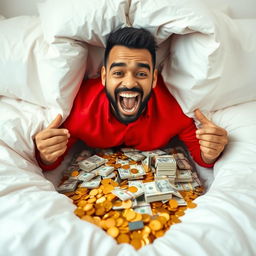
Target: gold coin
(133, 189)
(123, 230)
(117, 203)
(145, 217)
(101, 200)
(88, 207)
(131, 215)
(106, 181)
(119, 221)
(113, 231)
(123, 238)
(110, 197)
(162, 219)
(93, 192)
(138, 217)
(159, 233)
(79, 212)
(107, 189)
(155, 225)
(137, 234)
(173, 203)
(75, 173)
(87, 218)
(124, 186)
(126, 166)
(91, 200)
(191, 205)
(100, 211)
(116, 166)
(110, 222)
(134, 171)
(175, 219)
(90, 212)
(179, 213)
(107, 205)
(75, 197)
(127, 204)
(136, 243)
(82, 203)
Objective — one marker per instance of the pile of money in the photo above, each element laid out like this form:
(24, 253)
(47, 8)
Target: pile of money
(122, 196)
(165, 165)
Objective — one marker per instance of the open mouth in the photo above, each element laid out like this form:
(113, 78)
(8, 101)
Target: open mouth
(128, 102)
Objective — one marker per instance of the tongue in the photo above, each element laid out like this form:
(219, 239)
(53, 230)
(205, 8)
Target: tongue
(129, 102)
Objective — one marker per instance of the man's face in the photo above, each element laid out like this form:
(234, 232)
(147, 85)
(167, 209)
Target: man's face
(128, 79)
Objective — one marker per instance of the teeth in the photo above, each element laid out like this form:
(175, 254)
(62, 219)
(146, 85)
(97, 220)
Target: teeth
(129, 95)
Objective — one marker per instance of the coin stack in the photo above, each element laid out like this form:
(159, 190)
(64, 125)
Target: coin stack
(131, 211)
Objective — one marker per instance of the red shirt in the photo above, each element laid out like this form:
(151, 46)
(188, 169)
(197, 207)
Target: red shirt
(92, 121)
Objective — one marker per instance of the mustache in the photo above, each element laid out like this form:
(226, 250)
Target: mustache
(124, 89)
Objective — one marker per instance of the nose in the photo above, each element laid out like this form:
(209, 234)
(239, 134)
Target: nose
(130, 81)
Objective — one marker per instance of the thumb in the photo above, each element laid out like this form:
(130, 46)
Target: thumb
(201, 117)
(56, 122)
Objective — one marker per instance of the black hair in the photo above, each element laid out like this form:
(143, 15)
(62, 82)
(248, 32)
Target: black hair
(137, 38)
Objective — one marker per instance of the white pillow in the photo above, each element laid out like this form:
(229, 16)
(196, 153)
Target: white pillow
(88, 21)
(164, 17)
(245, 9)
(213, 71)
(47, 75)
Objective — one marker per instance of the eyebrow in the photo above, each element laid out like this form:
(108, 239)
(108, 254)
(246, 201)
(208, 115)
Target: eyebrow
(122, 64)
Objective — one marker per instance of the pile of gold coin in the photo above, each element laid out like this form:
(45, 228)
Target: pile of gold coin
(96, 206)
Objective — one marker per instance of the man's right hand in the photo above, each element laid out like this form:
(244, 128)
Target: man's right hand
(52, 141)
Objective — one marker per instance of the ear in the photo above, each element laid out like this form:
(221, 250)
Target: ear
(155, 78)
(103, 75)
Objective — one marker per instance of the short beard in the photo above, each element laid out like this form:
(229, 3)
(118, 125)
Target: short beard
(127, 119)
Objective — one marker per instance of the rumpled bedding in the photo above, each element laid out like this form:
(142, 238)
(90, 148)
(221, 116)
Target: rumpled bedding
(37, 220)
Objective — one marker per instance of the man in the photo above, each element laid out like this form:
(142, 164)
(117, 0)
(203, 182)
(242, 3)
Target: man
(129, 106)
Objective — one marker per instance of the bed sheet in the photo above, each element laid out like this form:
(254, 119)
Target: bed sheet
(36, 220)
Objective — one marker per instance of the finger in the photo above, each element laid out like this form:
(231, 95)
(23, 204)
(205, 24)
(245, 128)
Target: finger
(58, 153)
(212, 153)
(55, 148)
(215, 146)
(213, 138)
(212, 130)
(51, 133)
(56, 122)
(52, 157)
(44, 144)
(202, 118)
(52, 142)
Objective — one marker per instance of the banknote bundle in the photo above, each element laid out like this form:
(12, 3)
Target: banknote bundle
(132, 172)
(158, 190)
(165, 165)
(91, 163)
(184, 176)
(68, 186)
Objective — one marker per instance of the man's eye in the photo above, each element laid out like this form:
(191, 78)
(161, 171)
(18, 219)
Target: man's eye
(118, 73)
(142, 74)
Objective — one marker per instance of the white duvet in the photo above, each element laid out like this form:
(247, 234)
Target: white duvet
(36, 220)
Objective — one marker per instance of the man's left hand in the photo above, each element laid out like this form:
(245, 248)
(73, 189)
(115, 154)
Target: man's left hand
(212, 138)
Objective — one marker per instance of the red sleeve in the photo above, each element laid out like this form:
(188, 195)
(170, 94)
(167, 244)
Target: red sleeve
(54, 165)
(188, 136)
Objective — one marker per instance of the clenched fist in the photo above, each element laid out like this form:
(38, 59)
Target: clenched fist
(212, 138)
(52, 141)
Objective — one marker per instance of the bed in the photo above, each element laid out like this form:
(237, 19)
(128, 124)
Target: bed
(207, 53)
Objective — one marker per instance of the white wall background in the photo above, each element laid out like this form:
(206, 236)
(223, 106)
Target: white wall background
(237, 8)
(11, 8)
